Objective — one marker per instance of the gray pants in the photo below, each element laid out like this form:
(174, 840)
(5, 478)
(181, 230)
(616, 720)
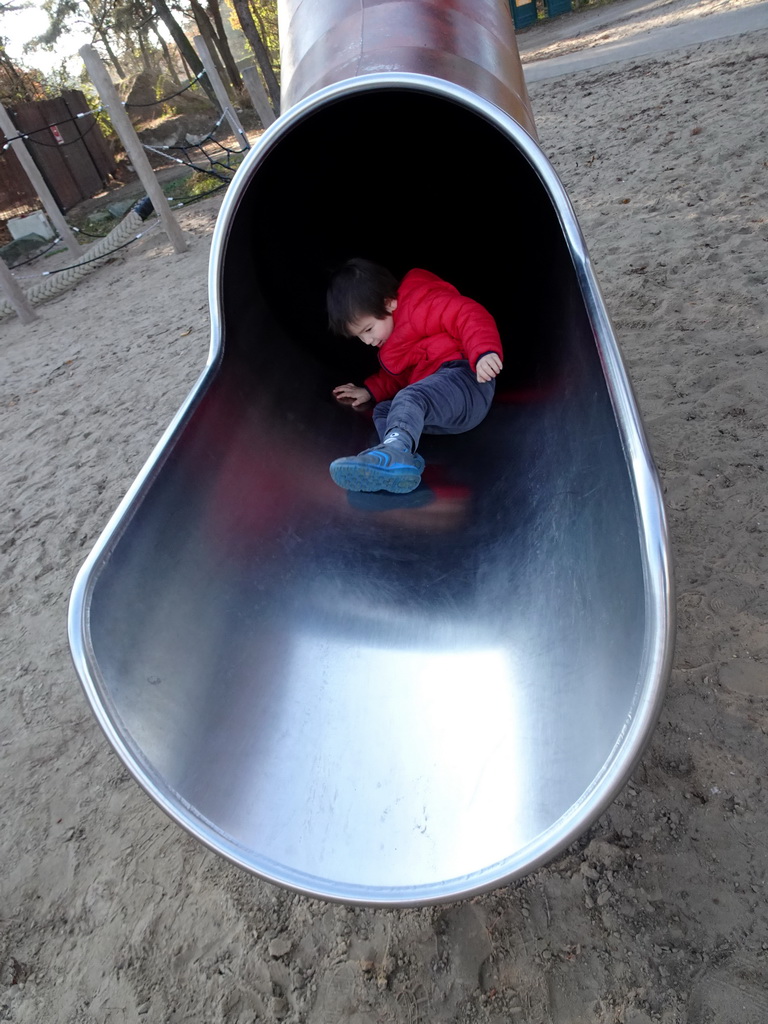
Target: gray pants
(449, 401)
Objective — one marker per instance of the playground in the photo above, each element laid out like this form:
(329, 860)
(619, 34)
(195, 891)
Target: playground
(110, 912)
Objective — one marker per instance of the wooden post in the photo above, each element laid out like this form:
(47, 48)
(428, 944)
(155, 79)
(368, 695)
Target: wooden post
(38, 183)
(133, 147)
(221, 93)
(258, 94)
(16, 296)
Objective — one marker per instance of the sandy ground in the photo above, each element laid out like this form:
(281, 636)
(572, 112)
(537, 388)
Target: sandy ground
(109, 912)
(627, 21)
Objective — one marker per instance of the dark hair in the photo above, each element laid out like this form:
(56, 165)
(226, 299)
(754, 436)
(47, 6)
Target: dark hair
(358, 288)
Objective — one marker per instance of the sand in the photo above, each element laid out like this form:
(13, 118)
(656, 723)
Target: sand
(108, 912)
(613, 29)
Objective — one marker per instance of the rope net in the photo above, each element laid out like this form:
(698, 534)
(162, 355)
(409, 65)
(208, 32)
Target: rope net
(206, 155)
(211, 155)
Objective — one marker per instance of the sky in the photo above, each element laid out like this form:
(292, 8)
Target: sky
(18, 27)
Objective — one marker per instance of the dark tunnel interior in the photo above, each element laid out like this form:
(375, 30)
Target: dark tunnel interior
(408, 180)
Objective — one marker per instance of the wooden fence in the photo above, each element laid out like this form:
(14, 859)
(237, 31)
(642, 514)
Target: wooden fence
(17, 197)
(70, 152)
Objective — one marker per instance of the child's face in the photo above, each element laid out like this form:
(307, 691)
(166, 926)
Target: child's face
(372, 331)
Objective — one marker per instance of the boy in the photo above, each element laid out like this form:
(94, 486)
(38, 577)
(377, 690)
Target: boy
(439, 353)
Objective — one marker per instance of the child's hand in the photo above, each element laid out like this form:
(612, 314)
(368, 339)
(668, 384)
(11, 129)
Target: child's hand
(488, 367)
(351, 394)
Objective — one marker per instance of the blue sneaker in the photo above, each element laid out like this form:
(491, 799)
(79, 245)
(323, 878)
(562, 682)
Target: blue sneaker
(383, 468)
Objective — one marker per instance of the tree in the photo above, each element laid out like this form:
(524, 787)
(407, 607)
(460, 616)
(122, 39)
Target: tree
(167, 55)
(98, 15)
(222, 43)
(135, 18)
(17, 83)
(123, 27)
(255, 39)
(185, 47)
(218, 48)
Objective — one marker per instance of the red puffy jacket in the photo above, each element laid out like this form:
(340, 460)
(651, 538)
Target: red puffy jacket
(433, 324)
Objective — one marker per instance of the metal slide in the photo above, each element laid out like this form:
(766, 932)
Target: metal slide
(408, 704)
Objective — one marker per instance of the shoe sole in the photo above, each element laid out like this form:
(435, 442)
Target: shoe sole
(353, 477)
(385, 501)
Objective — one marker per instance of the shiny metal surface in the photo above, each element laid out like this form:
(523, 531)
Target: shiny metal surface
(409, 705)
(469, 43)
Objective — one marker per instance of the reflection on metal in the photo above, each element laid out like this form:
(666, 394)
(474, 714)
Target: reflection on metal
(411, 704)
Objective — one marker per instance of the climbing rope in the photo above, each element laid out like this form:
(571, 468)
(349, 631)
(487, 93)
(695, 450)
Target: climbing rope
(27, 136)
(212, 160)
(36, 256)
(189, 163)
(48, 127)
(173, 96)
(88, 234)
(196, 199)
(59, 145)
(57, 281)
